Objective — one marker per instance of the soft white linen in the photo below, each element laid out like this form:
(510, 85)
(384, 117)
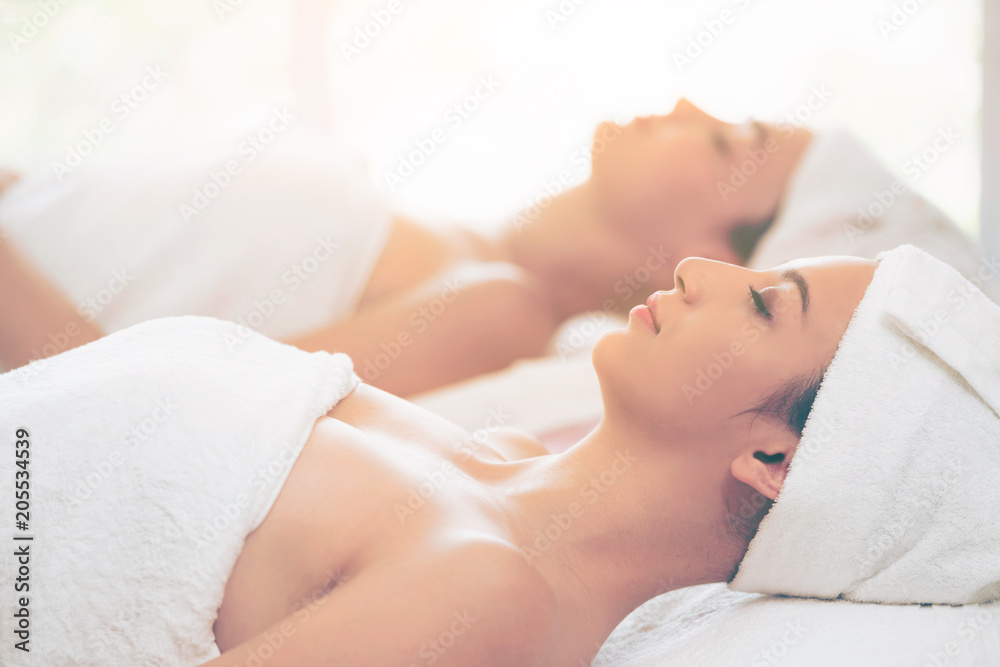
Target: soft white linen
(712, 626)
(154, 452)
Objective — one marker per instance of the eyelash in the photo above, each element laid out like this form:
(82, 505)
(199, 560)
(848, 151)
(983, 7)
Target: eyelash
(759, 305)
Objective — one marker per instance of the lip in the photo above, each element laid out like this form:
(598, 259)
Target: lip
(646, 315)
(651, 304)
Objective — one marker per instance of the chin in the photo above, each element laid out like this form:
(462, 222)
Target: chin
(599, 355)
(623, 395)
(610, 358)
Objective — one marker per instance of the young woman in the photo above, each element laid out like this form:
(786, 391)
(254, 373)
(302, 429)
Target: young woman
(522, 558)
(300, 258)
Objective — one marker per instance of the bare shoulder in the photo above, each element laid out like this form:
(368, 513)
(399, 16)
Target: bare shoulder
(412, 253)
(514, 604)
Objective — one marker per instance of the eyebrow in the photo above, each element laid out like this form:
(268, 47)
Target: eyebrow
(794, 276)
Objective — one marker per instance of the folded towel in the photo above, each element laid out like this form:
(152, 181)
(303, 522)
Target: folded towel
(893, 494)
(153, 453)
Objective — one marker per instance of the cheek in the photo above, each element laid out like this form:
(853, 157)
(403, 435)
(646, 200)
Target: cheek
(690, 380)
(638, 380)
(706, 372)
(656, 194)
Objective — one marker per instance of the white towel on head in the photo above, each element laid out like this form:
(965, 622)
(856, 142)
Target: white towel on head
(893, 494)
(154, 452)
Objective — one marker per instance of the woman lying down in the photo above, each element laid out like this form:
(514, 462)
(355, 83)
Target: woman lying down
(192, 492)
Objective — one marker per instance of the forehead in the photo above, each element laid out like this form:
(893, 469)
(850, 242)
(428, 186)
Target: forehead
(836, 286)
(836, 282)
(830, 262)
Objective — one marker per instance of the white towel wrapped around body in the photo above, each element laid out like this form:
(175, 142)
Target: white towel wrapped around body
(893, 494)
(154, 452)
(285, 246)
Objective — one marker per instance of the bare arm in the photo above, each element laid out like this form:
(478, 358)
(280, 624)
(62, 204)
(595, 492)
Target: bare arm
(474, 320)
(36, 320)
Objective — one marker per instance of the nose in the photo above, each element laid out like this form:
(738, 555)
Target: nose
(688, 278)
(686, 110)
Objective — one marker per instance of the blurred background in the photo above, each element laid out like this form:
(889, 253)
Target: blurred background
(382, 75)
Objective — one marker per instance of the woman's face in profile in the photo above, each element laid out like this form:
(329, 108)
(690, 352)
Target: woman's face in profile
(658, 177)
(725, 338)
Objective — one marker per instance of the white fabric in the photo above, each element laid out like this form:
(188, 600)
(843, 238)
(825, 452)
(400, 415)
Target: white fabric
(712, 626)
(285, 246)
(154, 452)
(841, 201)
(893, 494)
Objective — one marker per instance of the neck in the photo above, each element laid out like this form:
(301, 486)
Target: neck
(565, 211)
(557, 241)
(611, 523)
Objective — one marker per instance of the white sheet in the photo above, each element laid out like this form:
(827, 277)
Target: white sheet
(713, 626)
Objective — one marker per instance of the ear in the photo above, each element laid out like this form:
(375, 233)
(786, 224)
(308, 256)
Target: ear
(765, 466)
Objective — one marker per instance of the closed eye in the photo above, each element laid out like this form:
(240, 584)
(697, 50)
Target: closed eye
(759, 305)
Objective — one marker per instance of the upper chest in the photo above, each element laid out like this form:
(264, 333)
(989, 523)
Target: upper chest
(379, 475)
(378, 482)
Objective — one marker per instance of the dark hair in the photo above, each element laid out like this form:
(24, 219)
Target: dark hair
(743, 238)
(792, 403)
